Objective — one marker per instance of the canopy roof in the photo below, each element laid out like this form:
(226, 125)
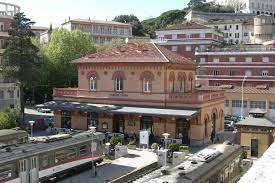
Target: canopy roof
(90, 107)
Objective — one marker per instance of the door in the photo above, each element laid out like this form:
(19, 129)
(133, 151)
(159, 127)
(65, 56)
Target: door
(118, 123)
(147, 123)
(23, 171)
(34, 170)
(182, 129)
(254, 147)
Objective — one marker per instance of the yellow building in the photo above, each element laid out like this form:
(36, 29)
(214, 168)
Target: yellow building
(255, 133)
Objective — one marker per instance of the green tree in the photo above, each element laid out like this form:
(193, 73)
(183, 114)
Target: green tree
(195, 3)
(9, 118)
(137, 28)
(21, 60)
(64, 47)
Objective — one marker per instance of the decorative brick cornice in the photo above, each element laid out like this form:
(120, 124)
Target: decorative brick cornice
(119, 74)
(92, 73)
(147, 75)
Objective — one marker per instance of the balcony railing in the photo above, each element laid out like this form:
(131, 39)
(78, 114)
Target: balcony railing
(197, 97)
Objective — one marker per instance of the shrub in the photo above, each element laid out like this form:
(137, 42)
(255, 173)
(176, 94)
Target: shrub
(244, 155)
(183, 148)
(132, 143)
(115, 140)
(154, 146)
(172, 148)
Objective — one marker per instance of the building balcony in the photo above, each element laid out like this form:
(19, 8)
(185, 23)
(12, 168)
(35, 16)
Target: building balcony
(173, 99)
(197, 97)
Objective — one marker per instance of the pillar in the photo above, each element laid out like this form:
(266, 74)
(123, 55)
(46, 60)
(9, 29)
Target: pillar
(57, 119)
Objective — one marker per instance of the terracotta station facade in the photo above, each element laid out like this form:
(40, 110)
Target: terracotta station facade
(140, 86)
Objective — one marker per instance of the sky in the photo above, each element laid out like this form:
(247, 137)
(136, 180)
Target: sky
(45, 12)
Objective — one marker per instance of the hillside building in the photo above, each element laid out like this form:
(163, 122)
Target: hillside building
(101, 31)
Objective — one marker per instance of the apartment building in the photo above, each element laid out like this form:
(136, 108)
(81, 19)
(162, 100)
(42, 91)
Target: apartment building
(188, 37)
(9, 89)
(252, 6)
(237, 27)
(231, 66)
(101, 31)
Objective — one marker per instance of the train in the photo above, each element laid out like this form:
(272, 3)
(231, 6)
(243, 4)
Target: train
(40, 161)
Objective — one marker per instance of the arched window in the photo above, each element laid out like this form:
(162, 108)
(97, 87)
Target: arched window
(172, 82)
(147, 85)
(181, 82)
(93, 83)
(118, 83)
(147, 77)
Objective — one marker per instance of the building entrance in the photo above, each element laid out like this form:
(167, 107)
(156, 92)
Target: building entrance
(182, 129)
(118, 123)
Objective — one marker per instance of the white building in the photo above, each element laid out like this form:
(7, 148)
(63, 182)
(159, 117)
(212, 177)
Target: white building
(251, 6)
(101, 31)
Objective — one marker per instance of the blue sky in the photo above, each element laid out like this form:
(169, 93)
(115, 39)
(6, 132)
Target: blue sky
(45, 12)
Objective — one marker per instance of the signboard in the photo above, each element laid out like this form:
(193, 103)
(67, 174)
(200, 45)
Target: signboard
(144, 137)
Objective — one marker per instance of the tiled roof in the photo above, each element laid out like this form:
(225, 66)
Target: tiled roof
(95, 21)
(186, 25)
(251, 121)
(136, 53)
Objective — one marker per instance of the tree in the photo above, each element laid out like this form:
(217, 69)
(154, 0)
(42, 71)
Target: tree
(237, 5)
(64, 47)
(137, 28)
(9, 118)
(195, 3)
(21, 60)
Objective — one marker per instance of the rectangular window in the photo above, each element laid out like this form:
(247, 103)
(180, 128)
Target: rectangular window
(174, 36)
(271, 105)
(237, 35)
(188, 48)
(225, 27)
(264, 73)
(11, 94)
(265, 59)
(227, 103)
(216, 60)
(174, 48)
(232, 59)
(119, 84)
(1, 94)
(238, 103)
(202, 35)
(216, 72)
(248, 73)
(257, 104)
(232, 72)
(248, 59)
(245, 34)
(225, 35)
(202, 60)
(237, 27)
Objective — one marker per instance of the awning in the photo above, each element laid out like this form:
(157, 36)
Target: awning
(118, 109)
(156, 111)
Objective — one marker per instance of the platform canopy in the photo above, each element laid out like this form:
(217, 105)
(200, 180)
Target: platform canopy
(118, 109)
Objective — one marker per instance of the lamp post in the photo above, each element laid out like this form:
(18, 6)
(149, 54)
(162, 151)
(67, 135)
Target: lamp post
(166, 135)
(244, 78)
(31, 124)
(93, 130)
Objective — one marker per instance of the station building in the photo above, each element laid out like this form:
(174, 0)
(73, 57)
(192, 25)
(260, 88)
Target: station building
(139, 86)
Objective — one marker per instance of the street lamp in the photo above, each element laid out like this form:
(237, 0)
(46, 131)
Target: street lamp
(166, 135)
(93, 130)
(31, 123)
(244, 78)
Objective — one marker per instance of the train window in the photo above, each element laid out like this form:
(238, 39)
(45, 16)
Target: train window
(71, 152)
(44, 161)
(5, 172)
(22, 165)
(59, 156)
(84, 149)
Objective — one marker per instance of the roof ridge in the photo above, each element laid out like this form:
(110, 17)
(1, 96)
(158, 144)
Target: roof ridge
(161, 52)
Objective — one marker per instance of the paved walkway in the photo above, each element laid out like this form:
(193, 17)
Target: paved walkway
(136, 159)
